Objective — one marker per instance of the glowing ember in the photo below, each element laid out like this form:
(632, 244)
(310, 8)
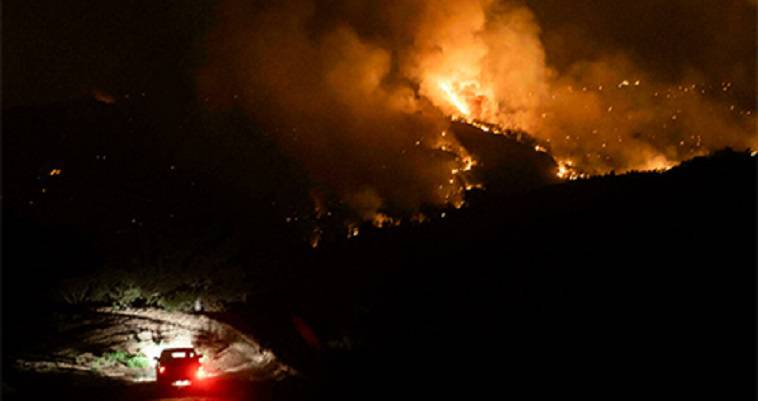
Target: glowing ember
(382, 220)
(567, 171)
(562, 171)
(353, 230)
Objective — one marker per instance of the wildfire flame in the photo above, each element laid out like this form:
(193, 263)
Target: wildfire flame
(482, 63)
(454, 99)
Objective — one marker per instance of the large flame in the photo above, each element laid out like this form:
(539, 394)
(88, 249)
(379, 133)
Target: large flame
(454, 98)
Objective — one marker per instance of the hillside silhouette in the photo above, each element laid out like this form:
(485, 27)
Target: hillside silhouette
(613, 286)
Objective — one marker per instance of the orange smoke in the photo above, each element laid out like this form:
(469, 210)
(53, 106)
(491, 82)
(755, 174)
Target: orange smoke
(361, 92)
(597, 116)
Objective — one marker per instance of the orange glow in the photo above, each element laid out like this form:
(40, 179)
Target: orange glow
(454, 99)
(482, 63)
(568, 171)
(562, 171)
(488, 69)
(657, 163)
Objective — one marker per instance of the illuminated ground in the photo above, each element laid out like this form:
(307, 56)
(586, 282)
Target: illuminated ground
(68, 366)
(85, 339)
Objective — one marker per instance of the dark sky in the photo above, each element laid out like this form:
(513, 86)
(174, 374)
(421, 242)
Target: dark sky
(54, 50)
(716, 38)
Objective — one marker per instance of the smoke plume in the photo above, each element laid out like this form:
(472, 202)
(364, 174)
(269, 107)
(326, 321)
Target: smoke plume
(361, 93)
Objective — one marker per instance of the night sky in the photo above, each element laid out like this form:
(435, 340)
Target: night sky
(54, 51)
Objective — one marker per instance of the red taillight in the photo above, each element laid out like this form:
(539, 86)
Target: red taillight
(161, 369)
(200, 373)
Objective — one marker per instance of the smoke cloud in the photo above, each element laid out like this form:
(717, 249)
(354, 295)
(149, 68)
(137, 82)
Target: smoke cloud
(361, 92)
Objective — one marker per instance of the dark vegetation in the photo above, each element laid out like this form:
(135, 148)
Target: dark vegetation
(612, 287)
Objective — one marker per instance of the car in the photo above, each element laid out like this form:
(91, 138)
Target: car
(179, 367)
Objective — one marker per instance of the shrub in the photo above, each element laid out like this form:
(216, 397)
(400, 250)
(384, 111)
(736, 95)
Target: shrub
(110, 359)
(138, 362)
(180, 300)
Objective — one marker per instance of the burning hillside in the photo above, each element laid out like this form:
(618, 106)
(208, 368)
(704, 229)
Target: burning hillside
(363, 93)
